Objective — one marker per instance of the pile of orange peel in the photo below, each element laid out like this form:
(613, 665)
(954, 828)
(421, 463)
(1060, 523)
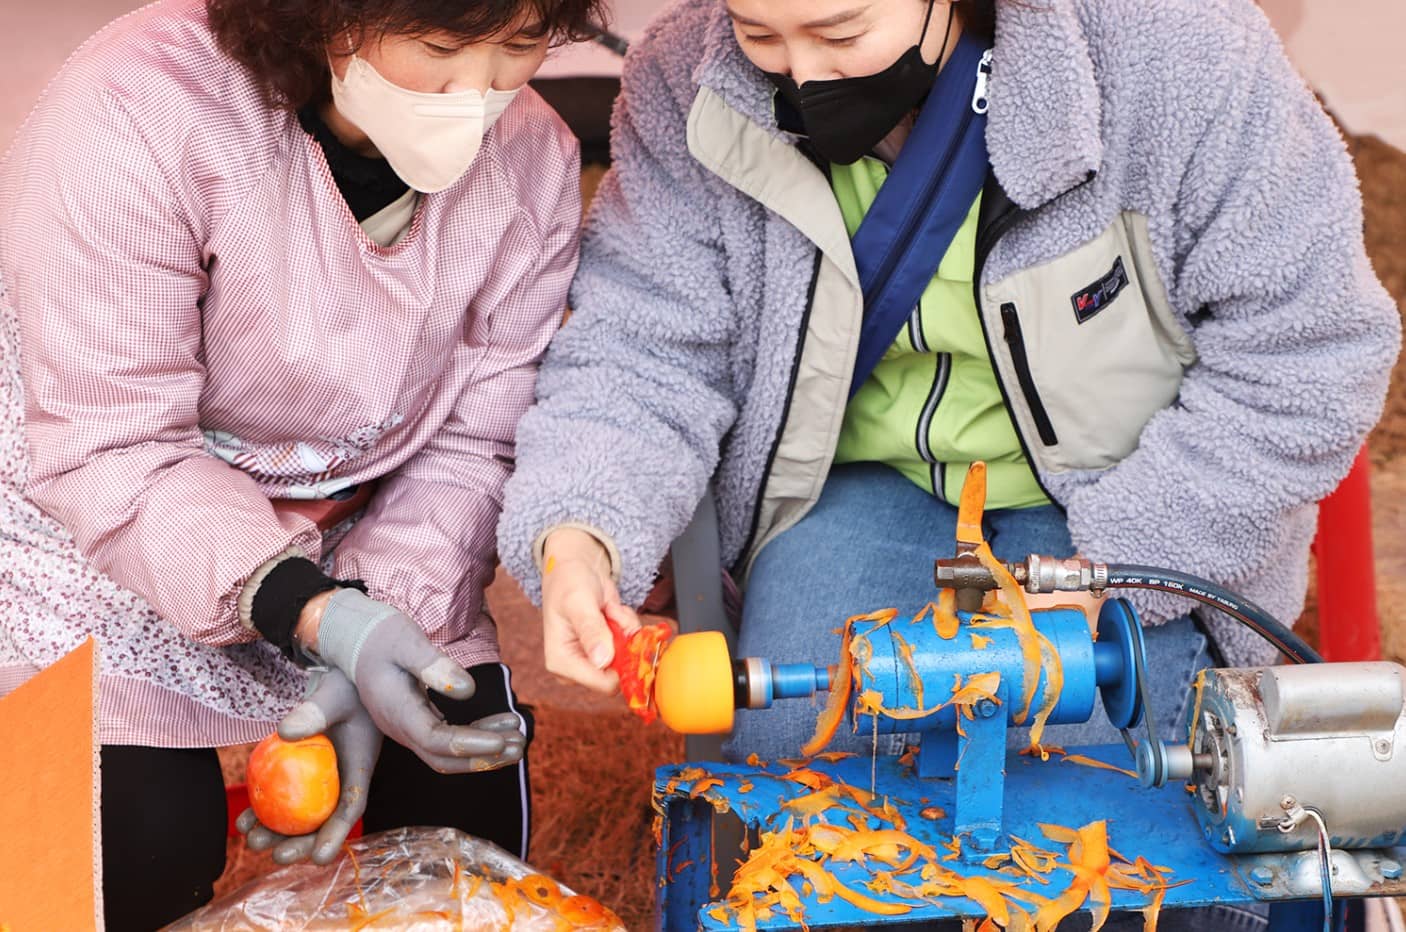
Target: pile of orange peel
(532, 898)
(833, 823)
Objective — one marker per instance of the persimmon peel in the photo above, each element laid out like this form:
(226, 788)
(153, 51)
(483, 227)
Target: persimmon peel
(636, 661)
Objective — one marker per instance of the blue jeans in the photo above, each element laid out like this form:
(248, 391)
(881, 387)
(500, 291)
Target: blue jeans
(869, 543)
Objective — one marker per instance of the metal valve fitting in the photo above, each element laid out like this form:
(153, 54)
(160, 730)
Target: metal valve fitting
(1036, 573)
(1073, 574)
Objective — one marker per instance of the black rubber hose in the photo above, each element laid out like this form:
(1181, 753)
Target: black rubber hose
(1123, 576)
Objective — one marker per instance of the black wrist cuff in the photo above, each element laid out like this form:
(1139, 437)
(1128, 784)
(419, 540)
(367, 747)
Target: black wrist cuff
(281, 597)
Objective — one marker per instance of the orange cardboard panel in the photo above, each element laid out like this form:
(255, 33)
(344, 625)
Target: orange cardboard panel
(50, 863)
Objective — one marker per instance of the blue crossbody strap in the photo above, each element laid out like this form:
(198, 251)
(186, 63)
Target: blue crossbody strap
(922, 203)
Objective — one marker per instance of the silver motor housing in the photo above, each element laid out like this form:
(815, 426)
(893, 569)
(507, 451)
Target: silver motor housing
(1266, 744)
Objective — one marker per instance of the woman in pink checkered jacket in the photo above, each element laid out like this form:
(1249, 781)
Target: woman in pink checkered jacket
(275, 277)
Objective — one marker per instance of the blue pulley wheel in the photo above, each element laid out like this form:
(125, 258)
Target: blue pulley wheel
(1118, 624)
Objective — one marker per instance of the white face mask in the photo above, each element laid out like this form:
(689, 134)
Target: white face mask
(429, 139)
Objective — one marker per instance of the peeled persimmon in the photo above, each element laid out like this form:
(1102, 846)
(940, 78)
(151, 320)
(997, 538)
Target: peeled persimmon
(293, 785)
(588, 913)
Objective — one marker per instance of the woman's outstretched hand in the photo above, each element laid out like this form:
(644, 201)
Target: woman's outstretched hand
(577, 595)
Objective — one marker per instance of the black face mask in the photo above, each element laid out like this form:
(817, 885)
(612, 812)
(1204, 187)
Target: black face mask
(846, 118)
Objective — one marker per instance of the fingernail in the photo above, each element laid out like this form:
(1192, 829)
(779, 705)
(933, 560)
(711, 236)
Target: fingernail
(601, 655)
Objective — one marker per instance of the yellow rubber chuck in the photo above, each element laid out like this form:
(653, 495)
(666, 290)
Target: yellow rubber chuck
(693, 685)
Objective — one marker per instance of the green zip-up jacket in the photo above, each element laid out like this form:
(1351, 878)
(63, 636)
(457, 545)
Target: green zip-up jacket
(932, 405)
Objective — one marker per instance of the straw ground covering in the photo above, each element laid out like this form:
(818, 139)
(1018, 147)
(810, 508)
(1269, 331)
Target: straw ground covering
(592, 763)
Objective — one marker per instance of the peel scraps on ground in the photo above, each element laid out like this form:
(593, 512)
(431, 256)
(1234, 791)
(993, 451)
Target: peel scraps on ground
(702, 786)
(832, 756)
(829, 793)
(1091, 762)
(1088, 859)
(1034, 860)
(982, 892)
(884, 845)
(1096, 872)
(1043, 751)
(953, 848)
(684, 775)
(808, 778)
(793, 857)
(636, 661)
(812, 805)
(869, 904)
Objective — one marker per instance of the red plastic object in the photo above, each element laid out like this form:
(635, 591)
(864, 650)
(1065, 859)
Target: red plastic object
(1347, 578)
(237, 800)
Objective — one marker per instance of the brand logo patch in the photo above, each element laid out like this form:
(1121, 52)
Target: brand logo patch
(1101, 293)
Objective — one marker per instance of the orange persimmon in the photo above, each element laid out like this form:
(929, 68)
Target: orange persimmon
(587, 912)
(293, 785)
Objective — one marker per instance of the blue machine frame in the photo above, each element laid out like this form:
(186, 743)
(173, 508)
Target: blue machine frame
(992, 795)
(1158, 824)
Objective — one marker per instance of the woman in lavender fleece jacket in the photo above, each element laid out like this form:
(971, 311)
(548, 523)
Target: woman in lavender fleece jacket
(1166, 150)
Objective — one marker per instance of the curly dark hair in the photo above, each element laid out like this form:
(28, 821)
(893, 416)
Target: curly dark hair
(284, 42)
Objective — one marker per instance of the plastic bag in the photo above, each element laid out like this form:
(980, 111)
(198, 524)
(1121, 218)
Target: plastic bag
(421, 879)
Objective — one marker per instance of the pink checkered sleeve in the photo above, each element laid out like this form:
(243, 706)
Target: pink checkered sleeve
(106, 278)
(427, 542)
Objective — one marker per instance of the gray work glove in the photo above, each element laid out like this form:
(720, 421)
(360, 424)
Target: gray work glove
(391, 662)
(332, 708)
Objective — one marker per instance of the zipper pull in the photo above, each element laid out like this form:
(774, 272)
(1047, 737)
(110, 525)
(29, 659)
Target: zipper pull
(983, 73)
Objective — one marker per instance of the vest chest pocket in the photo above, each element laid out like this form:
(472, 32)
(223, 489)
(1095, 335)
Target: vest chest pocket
(1089, 348)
